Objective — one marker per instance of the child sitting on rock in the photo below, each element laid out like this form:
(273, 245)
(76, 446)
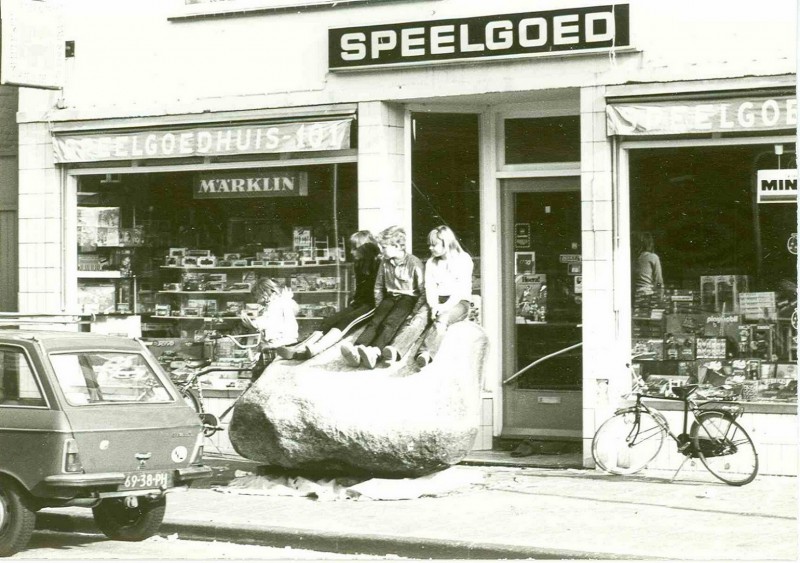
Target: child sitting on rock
(365, 251)
(398, 286)
(448, 290)
(277, 320)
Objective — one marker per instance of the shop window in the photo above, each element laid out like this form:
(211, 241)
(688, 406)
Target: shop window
(445, 181)
(543, 140)
(725, 315)
(181, 251)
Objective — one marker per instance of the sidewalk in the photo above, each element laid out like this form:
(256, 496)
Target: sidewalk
(516, 513)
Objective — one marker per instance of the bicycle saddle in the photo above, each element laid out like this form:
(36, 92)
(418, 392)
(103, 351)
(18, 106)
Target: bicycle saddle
(683, 392)
(197, 364)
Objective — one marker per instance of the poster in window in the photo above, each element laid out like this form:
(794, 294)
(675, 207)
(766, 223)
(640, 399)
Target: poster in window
(522, 235)
(531, 298)
(524, 263)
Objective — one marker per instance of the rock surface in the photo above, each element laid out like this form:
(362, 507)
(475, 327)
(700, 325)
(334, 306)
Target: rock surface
(325, 417)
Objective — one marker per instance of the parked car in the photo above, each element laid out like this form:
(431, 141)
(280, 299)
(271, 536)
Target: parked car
(90, 420)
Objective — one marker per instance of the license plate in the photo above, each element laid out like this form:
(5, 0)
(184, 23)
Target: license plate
(147, 480)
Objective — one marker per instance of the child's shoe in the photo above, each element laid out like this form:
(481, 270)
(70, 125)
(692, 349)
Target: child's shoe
(350, 354)
(369, 355)
(423, 359)
(286, 352)
(390, 354)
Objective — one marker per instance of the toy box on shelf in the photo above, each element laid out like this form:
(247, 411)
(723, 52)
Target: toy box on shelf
(720, 293)
(192, 293)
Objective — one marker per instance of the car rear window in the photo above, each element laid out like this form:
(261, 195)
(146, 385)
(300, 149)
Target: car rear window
(18, 386)
(90, 378)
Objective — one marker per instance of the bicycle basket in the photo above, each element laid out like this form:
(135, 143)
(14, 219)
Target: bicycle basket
(730, 409)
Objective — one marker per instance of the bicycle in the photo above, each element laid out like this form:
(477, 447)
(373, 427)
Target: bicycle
(192, 392)
(628, 441)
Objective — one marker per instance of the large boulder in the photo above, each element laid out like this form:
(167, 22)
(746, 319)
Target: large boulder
(325, 417)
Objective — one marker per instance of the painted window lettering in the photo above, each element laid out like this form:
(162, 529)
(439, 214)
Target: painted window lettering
(285, 137)
(730, 115)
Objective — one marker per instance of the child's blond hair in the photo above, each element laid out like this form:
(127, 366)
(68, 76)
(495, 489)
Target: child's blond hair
(393, 236)
(265, 289)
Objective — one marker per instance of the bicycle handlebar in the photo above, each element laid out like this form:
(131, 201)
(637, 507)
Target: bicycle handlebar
(206, 370)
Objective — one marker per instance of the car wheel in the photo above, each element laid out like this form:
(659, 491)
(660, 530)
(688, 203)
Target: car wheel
(17, 518)
(123, 523)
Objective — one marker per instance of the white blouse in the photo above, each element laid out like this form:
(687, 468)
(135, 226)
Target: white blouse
(451, 277)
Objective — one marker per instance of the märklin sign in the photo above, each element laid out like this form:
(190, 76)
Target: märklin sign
(250, 183)
(463, 39)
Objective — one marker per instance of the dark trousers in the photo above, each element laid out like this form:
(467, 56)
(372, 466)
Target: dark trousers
(349, 317)
(388, 316)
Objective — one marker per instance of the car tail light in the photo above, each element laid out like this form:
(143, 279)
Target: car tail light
(72, 461)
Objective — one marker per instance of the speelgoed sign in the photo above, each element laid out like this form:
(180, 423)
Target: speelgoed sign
(694, 116)
(250, 183)
(506, 35)
(297, 136)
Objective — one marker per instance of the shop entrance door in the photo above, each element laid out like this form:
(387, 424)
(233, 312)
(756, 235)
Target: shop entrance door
(542, 292)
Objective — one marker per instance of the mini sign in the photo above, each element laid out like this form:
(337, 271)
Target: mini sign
(777, 186)
(569, 258)
(251, 183)
(495, 36)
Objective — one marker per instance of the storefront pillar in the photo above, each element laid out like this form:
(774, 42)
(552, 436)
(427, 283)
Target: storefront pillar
(600, 369)
(40, 223)
(384, 194)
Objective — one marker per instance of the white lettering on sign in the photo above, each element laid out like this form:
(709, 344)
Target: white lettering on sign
(244, 139)
(549, 32)
(777, 186)
(257, 183)
(249, 185)
(670, 118)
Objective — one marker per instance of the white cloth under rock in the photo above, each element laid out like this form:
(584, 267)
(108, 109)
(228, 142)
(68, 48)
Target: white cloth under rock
(447, 481)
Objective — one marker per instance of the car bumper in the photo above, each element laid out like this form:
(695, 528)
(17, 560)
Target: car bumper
(87, 481)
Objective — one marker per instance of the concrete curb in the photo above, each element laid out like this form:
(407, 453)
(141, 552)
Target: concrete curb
(369, 544)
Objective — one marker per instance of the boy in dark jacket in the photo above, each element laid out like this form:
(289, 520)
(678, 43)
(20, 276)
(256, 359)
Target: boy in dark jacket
(398, 286)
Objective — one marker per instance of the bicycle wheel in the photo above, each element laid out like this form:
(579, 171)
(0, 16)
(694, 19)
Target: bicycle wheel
(725, 448)
(626, 443)
(191, 399)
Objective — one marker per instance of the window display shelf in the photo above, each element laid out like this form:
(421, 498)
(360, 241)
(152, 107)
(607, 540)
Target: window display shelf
(220, 291)
(264, 267)
(193, 318)
(100, 274)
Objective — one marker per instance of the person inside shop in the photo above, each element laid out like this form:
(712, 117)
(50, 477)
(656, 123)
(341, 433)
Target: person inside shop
(399, 286)
(276, 320)
(647, 277)
(366, 259)
(448, 291)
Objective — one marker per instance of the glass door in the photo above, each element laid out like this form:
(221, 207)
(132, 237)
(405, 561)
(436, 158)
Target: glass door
(542, 273)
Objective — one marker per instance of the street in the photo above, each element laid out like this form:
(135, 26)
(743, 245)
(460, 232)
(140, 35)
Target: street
(81, 546)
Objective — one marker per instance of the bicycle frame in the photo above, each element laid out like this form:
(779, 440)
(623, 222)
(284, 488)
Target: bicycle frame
(632, 438)
(729, 409)
(210, 421)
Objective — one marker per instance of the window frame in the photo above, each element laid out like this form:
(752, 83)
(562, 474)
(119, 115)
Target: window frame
(569, 109)
(37, 378)
(623, 309)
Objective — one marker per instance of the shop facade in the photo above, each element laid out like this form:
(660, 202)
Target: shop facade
(539, 136)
